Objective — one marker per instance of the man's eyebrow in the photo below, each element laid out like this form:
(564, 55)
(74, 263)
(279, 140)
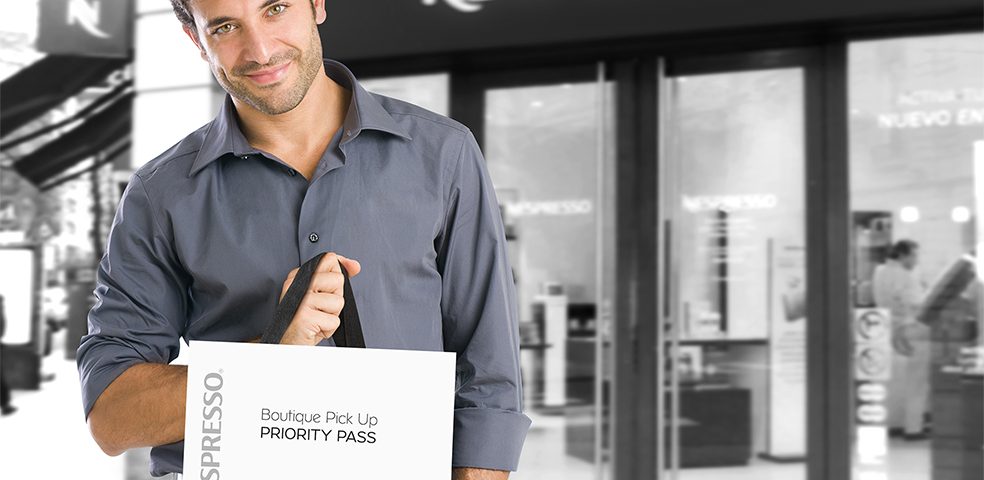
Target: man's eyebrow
(215, 22)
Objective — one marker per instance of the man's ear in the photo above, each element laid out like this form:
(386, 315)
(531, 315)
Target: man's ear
(319, 11)
(194, 38)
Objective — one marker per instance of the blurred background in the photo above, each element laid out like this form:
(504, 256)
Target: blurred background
(744, 234)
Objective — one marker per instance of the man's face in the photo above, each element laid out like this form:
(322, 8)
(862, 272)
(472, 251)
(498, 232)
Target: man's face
(266, 53)
(911, 260)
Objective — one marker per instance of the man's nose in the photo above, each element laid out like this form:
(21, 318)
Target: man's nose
(258, 46)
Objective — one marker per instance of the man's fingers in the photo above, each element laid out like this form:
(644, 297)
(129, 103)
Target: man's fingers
(901, 343)
(328, 263)
(310, 328)
(352, 266)
(318, 319)
(287, 282)
(327, 324)
(327, 282)
(328, 303)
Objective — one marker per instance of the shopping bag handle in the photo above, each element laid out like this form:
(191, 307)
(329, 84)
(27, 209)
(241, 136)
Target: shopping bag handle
(349, 332)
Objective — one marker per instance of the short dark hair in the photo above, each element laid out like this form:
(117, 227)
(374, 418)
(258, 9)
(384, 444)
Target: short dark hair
(902, 248)
(182, 10)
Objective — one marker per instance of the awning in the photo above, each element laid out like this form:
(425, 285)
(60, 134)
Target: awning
(47, 83)
(99, 133)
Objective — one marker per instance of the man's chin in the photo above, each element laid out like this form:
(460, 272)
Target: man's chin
(272, 108)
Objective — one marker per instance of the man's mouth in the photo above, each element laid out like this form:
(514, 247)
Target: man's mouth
(269, 75)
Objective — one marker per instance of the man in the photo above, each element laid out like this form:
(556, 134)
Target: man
(300, 160)
(897, 287)
(5, 407)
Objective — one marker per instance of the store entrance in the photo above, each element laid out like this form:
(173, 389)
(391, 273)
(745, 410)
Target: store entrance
(731, 394)
(546, 139)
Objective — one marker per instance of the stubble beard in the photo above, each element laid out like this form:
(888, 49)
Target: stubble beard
(278, 98)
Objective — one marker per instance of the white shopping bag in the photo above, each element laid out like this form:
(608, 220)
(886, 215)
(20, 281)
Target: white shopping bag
(262, 411)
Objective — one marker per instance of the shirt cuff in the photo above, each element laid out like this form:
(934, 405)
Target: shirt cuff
(488, 438)
(99, 366)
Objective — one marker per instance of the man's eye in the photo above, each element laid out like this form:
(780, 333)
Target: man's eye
(224, 29)
(277, 9)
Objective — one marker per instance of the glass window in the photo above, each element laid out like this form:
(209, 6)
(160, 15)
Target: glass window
(552, 173)
(430, 91)
(916, 111)
(734, 379)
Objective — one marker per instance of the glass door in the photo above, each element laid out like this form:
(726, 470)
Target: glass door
(916, 153)
(732, 351)
(546, 138)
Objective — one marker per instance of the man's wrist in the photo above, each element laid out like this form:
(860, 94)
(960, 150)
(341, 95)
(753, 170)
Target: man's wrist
(478, 474)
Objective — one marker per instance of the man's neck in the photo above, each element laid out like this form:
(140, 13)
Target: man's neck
(307, 128)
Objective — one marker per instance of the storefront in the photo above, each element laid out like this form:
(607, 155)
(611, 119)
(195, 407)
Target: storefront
(697, 197)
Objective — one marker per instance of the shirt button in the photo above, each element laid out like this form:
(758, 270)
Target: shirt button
(291, 172)
(245, 157)
(348, 133)
(313, 237)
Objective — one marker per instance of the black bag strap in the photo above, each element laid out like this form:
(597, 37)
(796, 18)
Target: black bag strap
(349, 332)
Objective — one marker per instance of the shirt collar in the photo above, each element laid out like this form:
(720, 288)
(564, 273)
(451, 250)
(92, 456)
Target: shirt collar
(224, 136)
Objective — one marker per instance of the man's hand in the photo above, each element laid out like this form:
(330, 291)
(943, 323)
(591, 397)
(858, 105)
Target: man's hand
(317, 316)
(901, 341)
(478, 474)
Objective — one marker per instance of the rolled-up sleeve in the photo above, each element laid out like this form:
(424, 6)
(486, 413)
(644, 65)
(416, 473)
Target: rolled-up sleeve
(140, 302)
(480, 318)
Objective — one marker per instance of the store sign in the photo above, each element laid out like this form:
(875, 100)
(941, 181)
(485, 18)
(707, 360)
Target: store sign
(729, 203)
(979, 203)
(873, 368)
(98, 28)
(873, 360)
(936, 108)
(467, 6)
(549, 208)
(355, 29)
(872, 448)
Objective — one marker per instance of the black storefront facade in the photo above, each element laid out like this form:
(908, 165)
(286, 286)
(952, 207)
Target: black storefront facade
(636, 48)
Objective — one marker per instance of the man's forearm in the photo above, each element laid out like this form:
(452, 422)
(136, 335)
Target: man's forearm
(478, 474)
(143, 407)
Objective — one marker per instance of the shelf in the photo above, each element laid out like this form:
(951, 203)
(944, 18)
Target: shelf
(724, 341)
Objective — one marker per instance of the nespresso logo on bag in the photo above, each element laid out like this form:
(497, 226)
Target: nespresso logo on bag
(211, 426)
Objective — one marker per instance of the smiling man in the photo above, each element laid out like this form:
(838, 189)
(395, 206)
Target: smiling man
(299, 160)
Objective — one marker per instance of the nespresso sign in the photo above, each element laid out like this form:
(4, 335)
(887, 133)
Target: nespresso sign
(467, 6)
(97, 28)
(364, 29)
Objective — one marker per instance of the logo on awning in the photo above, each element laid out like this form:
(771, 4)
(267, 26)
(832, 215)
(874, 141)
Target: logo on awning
(92, 28)
(468, 6)
(86, 15)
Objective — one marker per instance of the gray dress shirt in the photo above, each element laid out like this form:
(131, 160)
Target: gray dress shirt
(206, 233)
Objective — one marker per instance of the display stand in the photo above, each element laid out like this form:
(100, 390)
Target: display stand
(21, 290)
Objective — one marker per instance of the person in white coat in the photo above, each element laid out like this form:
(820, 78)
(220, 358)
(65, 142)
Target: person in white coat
(897, 287)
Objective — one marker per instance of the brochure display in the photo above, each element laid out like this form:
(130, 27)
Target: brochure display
(787, 352)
